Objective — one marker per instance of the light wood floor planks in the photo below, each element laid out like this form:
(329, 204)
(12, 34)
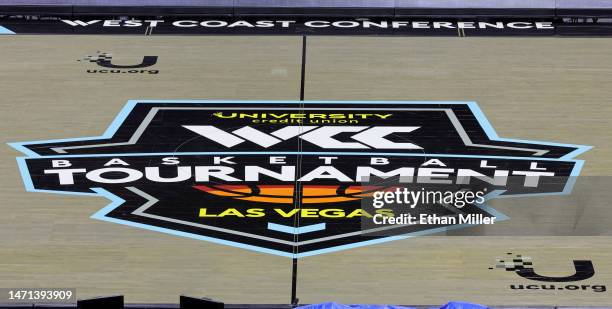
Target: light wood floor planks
(549, 89)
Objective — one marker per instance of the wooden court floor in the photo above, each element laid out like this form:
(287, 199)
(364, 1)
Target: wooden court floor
(548, 89)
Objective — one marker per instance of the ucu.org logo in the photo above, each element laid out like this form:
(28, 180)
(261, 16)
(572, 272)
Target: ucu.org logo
(105, 60)
(523, 266)
(361, 137)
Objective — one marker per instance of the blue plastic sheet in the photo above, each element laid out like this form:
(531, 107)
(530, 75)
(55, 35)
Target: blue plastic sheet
(332, 305)
(462, 305)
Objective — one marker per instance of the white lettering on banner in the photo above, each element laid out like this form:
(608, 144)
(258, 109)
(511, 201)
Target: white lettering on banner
(342, 24)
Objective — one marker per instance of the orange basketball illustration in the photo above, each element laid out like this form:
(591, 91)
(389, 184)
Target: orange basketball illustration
(285, 194)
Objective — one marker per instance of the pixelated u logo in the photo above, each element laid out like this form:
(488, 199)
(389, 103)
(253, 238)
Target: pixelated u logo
(147, 61)
(522, 265)
(106, 60)
(583, 270)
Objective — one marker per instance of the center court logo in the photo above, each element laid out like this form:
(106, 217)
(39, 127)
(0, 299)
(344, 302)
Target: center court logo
(523, 267)
(288, 177)
(105, 60)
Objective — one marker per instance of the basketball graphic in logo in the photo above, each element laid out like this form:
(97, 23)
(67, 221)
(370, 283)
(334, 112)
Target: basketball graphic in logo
(284, 194)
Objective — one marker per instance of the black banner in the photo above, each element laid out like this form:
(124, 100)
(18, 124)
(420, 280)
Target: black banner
(305, 26)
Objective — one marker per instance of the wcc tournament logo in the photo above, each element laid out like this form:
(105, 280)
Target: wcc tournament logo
(523, 267)
(287, 178)
(104, 62)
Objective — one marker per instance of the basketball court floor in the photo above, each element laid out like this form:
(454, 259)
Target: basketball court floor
(543, 89)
